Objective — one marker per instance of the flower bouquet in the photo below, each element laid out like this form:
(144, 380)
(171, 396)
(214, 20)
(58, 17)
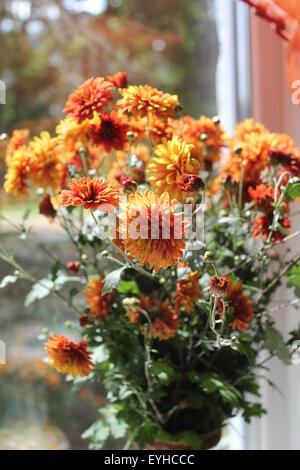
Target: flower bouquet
(177, 230)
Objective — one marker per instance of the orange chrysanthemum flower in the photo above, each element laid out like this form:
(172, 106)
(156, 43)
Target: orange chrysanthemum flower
(172, 160)
(151, 230)
(100, 305)
(68, 357)
(92, 96)
(47, 168)
(263, 196)
(240, 304)
(262, 224)
(93, 193)
(207, 151)
(17, 140)
(143, 100)
(187, 292)
(248, 126)
(165, 320)
(110, 132)
(18, 172)
(119, 79)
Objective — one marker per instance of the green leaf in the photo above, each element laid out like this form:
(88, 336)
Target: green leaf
(214, 383)
(26, 214)
(112, 280)
(39, 291)
(293, 276)
(253, 410)
(8, 280)
(274, 342)
(293, 189)
(128, 287)
(163, 372)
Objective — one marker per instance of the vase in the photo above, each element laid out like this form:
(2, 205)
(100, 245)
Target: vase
(206, 442)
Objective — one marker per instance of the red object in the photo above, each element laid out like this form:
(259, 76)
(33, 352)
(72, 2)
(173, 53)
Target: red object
(190, 183)
(119, 79)
(46, 207)
(128, 184)
(73, 266)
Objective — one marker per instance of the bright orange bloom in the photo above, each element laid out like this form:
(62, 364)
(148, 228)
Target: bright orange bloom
(100, 305)
(172, 160)
(144, 100)
(47, 168)
(262, 224)
(187, 292)
(68, 357)
(18, 172)
(92, 96)
(119, 79)
(263, 196)
(110, 132)
(91, 194)
(248, 126)
(165, 321)
(241, 305)
(17, 140)
(151, 231)
(208, 151)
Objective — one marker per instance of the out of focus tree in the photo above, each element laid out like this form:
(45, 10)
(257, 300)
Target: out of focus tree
(50, 46)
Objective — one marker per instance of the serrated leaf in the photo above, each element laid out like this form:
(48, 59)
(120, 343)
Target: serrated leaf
(274, 342)
(293, 189)
(163, 372)
(112, 280)
(8, 280)
(128, 287)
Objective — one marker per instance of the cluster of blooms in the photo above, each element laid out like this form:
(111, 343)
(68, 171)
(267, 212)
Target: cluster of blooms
(107, 134)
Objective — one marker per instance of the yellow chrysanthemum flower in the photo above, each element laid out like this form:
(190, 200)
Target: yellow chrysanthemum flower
(47, 168)
(18, 172)
(172, 160)
(145, 100)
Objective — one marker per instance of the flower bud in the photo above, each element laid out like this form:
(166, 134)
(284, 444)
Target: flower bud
(238, 149)
(216, 120)
(3, 137)
(203, 137)
(209, 257)
(218, 285)
(191, 183)
(105, 254)
(73, 266)
(128, 184)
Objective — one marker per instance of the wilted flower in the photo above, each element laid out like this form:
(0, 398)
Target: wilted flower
(218, 285)
(68, 357)
(240, 304)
